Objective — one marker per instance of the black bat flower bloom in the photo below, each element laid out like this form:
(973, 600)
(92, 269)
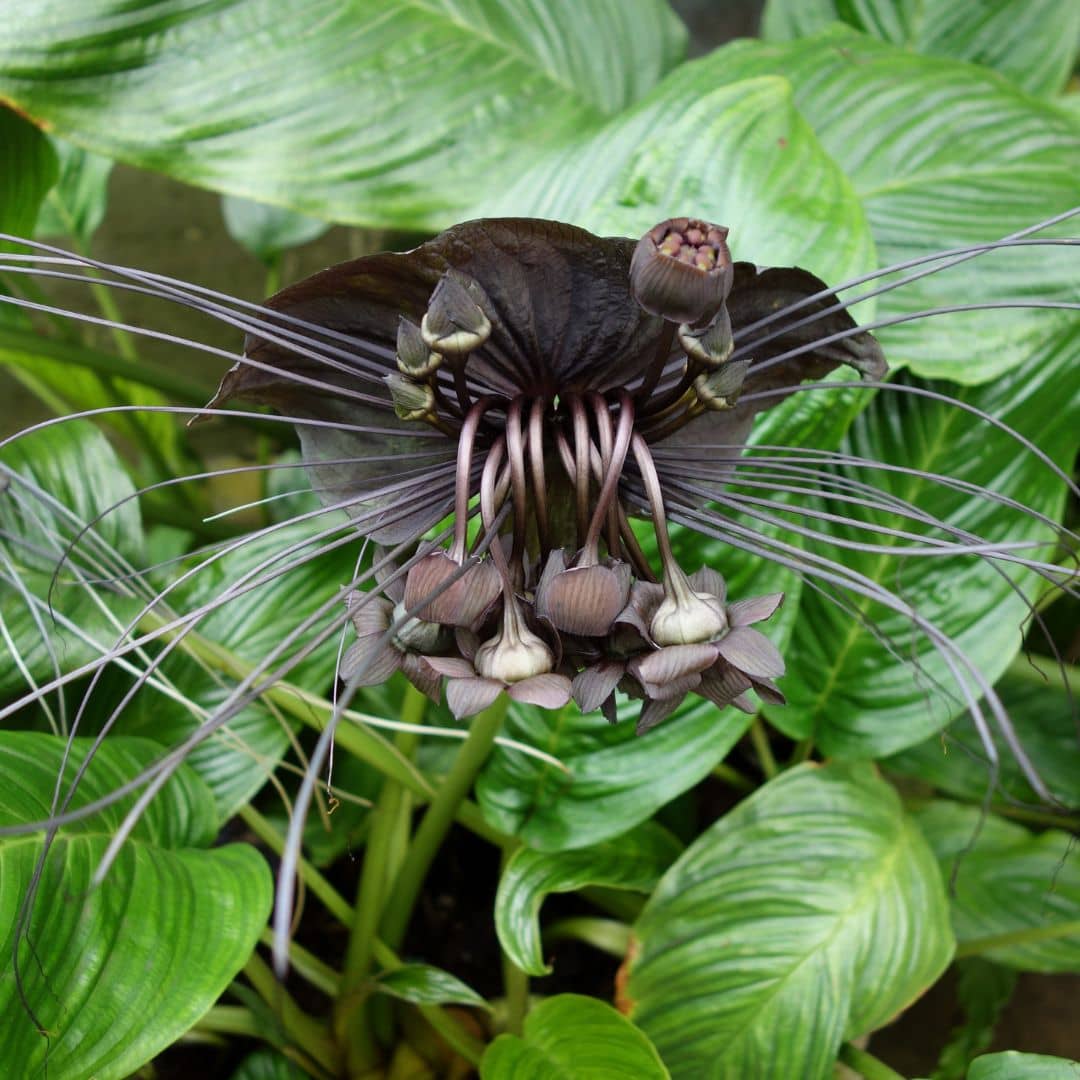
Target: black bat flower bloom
(535, 368)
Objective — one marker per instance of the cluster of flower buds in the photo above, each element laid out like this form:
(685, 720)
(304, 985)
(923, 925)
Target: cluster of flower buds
(564, 604)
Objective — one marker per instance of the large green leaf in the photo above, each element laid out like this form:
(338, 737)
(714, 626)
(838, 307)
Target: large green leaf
(859, 696)
(612, 779)
(69, 475)
(168, 929)
(569, 1037)
(942, 154)
(1007, 880)
(811, 913)
(1032, 41)
(423, 984)
(1042, 716)
(76, 204)
(634, 860)
(28, 169)
(267, 231)
(1012, 1065)
(362, 113)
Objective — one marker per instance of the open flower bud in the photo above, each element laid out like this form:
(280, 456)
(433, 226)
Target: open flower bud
(512, 657)
(688, 619)
(455, 323)
(412, 401)
(720, 389)
(414, 358)
(682, 271)
(711, 345)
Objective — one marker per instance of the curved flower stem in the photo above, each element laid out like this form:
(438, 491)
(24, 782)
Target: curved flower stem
(515, 983)
(760, 738)
(581, 466)
(865, 1064)
(438, 819)
(536, 468)
(612, 474)
(1052, 932)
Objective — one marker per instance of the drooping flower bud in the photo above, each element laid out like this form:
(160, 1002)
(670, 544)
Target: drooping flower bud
(455, 323)
(682, 271)
(687, 616)
(414, 358)
(582, 599)
(711, 345)
(719, 390)
(513, 655)
(412, 400)
(417, 634)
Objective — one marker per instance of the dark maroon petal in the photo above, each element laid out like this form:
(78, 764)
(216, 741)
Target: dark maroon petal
(754, 609)
(467, 641)
(462, 603)
(548, 691)
(769, 692)
(722, 684)
(709, 581)
(645, 598)
(608, 708)
(751, 652)
(370, 614)
(453, 667)
(595, 684)
(673, 662)
(374, 657)
(582, 600)
(467, 697)
(745, 703)
(653, 712)
(422, 675)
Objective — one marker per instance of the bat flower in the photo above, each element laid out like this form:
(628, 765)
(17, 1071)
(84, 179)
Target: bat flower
(519, 375)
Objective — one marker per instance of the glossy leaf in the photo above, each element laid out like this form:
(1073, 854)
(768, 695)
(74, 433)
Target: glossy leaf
(1042, 716)
(422, 984)
(1034, 43)
(888, 118)
(613, 779)
(267, 231)
(911, 693)
(512, 80)
(635, 860)
(1012, 1065)
(70, 475)
(28, 168)
(570, 1036)
(76, 204)
(190, 917)
(1007, 880)
(809, 914)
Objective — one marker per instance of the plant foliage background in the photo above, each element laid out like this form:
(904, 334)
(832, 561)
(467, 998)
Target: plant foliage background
(787, 908)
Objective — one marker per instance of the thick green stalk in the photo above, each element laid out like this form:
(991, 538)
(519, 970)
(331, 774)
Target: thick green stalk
(976, 946)
(515, 986)
(438, 819)
(866, 1065)
(760, 738)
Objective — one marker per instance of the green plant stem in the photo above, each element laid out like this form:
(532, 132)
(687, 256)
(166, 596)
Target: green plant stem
(515, 986)
(803, 749)
(1038, 817)
(305, 1032)
(229, 1020)
(976, 946)
(608, 935)
(865, 1064)
(313, 711)
(439, 816)
(307, 965)
(624, 905)
(760, 738)
(334, 902)
(732, 777)
(353, 1013)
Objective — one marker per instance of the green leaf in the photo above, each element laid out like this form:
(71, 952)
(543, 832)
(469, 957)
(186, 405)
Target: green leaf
(1012, 1065)
(169, 928)
(1042, 717)
(76, 205)
(422, 984)
(846, 688)
(1008, 881)
(359, 113)
(571, 1036)
(268, 1065)
(810, 914)
(983, 990)
(69, 476)
(237, 761)
(27, 170)
(268, 231)
(635, 860)
(612, 780)
(1031, 41)
(930, 181)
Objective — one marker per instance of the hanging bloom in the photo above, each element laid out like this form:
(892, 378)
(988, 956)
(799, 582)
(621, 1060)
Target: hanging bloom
(538, 367)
